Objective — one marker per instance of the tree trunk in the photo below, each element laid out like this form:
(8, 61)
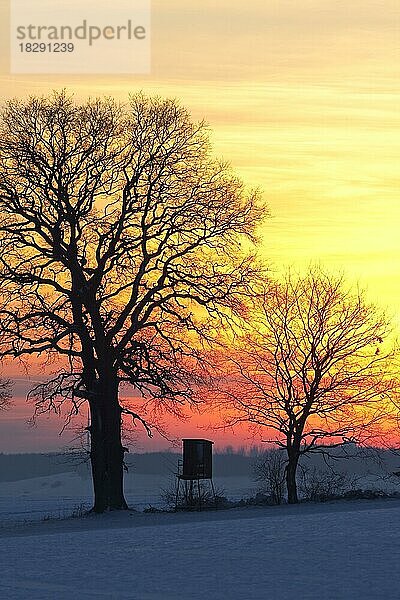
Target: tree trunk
(291, 483)
(107, 452)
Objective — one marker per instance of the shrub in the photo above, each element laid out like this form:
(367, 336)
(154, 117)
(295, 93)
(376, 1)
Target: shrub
(269, 469)
(193, 497)
(317, 485)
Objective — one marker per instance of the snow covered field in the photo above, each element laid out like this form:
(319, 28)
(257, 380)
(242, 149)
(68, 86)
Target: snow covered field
(346, 550)
(335, 551)
(59, 496)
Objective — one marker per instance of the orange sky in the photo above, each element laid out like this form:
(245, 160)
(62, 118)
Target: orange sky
(303, 99)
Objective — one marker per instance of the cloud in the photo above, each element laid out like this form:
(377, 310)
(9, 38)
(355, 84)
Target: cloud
(253, 40)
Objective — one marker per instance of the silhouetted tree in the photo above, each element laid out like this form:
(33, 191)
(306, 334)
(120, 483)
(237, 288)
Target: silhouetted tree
(5, 393)
(312, 368)
(269, 470)
(120, 246)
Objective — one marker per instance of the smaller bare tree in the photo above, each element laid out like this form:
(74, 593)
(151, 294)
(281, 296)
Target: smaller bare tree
(5, 393)
(312, 369)
(269, 471)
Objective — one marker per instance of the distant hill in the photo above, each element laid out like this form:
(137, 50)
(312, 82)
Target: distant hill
(15, 467)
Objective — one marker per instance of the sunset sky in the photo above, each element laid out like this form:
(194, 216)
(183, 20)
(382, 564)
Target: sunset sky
(303, 100)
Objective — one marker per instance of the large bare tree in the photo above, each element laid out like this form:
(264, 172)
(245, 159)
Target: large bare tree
(312, 370)
(120, 242)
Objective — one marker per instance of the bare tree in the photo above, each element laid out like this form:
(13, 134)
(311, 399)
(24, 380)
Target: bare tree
(269, 470)
(5, 393)
(120, 246)
(312, 370)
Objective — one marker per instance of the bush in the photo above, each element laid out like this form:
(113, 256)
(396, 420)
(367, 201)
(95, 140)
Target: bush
(318, 485)
(190, 499)
(269, 469)
(360, 494)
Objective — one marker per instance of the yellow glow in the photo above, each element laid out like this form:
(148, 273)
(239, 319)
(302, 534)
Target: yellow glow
(303, 99)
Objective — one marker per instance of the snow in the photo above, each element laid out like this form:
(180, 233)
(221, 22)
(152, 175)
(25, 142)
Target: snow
(55, 496)
(338, 551)
(58, 496)
(333, 551)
